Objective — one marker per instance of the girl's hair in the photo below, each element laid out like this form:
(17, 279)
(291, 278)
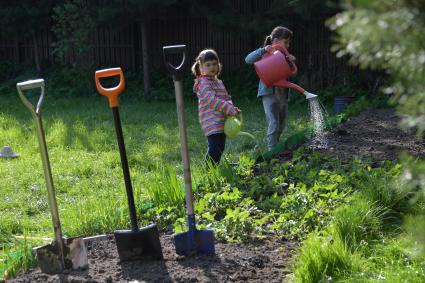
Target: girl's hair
(278, 32)
(204, 56)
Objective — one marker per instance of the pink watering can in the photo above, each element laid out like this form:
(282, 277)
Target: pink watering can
(275, 69)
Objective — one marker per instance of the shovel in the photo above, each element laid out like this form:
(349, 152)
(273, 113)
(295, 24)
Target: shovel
(194, 241)
(61, 253)
(137, 243)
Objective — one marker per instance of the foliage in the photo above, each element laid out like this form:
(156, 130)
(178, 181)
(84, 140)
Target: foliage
(388, 35)
(360, 231)
(23, 19)
(227, 14)
(10, 72)
(121, 13)
(73, 29)
(16, 260)
(19, 18)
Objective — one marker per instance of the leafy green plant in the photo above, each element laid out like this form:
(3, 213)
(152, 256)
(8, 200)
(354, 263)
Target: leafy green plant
(16, 259)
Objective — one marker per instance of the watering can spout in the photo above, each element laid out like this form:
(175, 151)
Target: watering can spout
(309, 95)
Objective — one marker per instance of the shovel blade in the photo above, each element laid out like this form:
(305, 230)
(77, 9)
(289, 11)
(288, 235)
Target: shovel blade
(141, 244)
(74, 255)
(195, 242)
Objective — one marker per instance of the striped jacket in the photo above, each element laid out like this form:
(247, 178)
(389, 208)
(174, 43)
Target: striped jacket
(214, 104)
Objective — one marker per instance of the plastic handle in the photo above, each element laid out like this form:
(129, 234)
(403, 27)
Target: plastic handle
(113, 92)
(175, 49)
(28, 85)
(285, 52)
(240, 117)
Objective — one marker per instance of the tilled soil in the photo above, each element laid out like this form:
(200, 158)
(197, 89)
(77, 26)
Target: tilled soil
(375, 135)
(234, 262)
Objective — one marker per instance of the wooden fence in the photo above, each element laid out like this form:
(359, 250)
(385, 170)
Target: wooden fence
(311, 45)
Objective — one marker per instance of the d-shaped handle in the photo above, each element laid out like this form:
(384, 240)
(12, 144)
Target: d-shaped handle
(28, 85)
(113, 92)
(175, 49)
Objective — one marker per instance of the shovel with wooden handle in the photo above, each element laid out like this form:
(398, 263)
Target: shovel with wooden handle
(194, 241)
(137, 243)
(62, 253)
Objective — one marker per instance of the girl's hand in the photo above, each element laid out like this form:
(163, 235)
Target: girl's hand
(291, 57)
(269, 48)
(235, 111)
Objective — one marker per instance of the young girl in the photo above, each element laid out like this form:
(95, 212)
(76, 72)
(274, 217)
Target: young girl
(214, 103)
(275, 100)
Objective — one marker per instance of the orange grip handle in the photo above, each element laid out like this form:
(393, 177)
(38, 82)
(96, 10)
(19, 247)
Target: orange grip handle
(113, 92)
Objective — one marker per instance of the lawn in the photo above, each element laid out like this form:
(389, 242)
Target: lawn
(315, 200)
(85, 161)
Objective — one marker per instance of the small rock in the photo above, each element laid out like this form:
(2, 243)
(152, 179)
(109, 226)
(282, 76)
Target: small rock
(342, 132)
(390, 146)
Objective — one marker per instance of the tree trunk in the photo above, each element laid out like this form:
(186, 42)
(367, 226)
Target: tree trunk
(145, 55)
(36, 53)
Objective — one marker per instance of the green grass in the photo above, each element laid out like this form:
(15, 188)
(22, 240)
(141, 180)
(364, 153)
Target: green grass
(86, 166)
(365, 241)
(287, 199)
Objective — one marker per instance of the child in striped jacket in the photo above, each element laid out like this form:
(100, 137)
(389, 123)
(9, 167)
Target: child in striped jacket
(214, 103)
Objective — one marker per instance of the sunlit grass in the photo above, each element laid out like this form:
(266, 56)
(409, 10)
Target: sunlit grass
(85, 161)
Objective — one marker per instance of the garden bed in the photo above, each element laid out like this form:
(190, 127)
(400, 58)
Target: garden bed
(373, 135)
(234, 262)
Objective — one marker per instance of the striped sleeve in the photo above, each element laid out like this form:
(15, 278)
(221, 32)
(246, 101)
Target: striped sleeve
(208, 99)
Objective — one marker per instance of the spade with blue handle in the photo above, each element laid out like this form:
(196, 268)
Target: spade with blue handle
(194, 241)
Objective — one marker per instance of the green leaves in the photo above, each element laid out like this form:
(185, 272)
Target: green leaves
(388, 35)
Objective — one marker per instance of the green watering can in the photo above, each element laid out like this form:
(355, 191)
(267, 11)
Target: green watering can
(233, 125)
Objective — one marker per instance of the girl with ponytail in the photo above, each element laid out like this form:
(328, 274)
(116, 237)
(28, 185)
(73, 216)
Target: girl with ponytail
(214, 103)
(275, 100)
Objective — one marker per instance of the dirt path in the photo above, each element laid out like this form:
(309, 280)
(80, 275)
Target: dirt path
(254, 262)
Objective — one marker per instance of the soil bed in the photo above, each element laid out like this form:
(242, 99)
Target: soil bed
(234, 262)
(374, 135)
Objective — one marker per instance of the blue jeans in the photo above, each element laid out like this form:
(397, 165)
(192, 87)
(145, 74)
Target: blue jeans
(216, 144)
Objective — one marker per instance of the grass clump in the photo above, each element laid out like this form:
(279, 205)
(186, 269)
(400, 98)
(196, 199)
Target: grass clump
(365, 241)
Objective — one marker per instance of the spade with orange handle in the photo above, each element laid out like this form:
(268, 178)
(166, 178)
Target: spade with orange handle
(138, 242)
